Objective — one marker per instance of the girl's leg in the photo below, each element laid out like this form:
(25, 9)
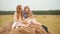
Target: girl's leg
(46, 29)
(14, 25)
(33, 21)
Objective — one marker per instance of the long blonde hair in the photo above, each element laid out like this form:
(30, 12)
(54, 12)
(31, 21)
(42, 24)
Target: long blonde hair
(29, 11)
(19, 11)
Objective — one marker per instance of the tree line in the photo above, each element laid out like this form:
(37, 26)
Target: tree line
(49, 12)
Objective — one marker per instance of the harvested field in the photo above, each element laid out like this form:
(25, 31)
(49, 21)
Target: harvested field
(51, 21)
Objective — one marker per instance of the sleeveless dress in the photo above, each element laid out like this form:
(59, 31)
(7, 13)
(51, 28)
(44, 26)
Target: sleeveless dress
(17, 23)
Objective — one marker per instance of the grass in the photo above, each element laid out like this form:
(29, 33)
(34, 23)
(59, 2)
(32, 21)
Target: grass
(51, 21)
(5, 18)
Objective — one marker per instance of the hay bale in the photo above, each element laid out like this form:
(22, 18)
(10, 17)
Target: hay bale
(31, 29)
(6, 28)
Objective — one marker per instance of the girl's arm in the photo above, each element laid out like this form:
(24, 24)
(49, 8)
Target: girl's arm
(15, 16)
(22, 17)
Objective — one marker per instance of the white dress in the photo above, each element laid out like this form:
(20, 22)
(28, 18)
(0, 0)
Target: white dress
(18, 23)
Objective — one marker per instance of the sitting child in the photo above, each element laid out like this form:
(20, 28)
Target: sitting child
(18, 18)
(30, 19)
(28, 16)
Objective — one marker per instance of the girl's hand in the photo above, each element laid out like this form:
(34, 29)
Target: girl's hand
(23, 20)
(18, 20)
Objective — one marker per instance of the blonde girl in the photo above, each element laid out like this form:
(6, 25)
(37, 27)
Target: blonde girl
(28, 16)
(18, 18)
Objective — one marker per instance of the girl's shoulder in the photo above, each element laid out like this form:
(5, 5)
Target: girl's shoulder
(15, 13)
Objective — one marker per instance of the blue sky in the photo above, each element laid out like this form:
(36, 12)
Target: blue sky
(33, 4)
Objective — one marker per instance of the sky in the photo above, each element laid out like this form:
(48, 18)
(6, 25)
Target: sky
(10, 5)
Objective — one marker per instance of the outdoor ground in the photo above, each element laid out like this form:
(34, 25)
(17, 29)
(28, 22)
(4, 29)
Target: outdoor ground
(51, 21)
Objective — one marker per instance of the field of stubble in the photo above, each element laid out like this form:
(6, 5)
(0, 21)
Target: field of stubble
(51, 21)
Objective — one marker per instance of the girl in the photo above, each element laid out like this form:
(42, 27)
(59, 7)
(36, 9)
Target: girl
(18, 17)
(28, 16)
(30, 19)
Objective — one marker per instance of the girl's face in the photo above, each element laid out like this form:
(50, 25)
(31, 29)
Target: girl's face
(19, 8)
(26, 9)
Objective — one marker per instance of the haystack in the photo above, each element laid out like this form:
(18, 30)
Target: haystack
(31, 29)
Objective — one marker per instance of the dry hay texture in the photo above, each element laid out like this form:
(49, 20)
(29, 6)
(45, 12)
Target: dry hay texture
(31, 29)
